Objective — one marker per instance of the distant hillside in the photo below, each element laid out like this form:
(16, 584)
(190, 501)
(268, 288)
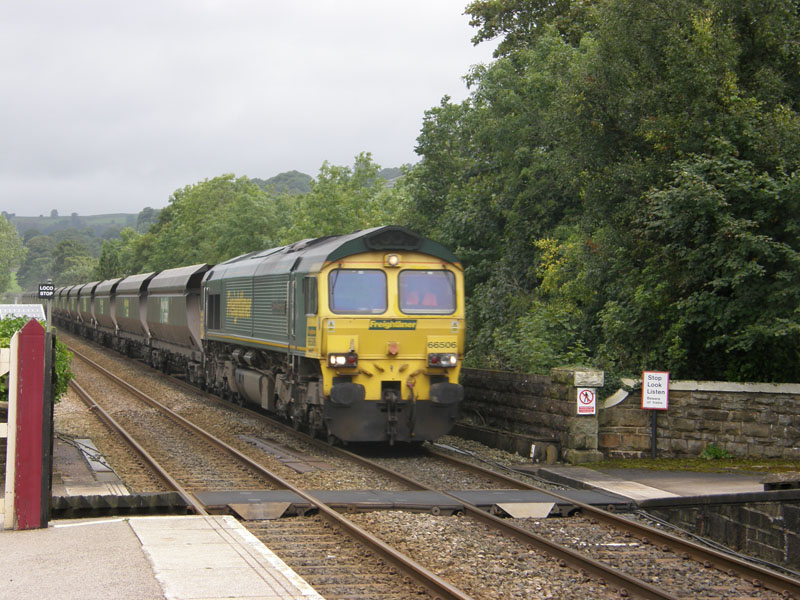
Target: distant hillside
(104, 226)
(108, 226)
(292, 182)
(295, 182)
(391, 175)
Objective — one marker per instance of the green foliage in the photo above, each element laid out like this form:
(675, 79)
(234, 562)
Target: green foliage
(47, 225)
(520, 22)
(38, 264)
(207, 222)
(622, 187)
(146, 217)
(220, 218)
(714, 452)
(63, 371)
(11, 252)
(73, 263)
(344, 199)
(68, 256)
(723, 272)
(291, 182)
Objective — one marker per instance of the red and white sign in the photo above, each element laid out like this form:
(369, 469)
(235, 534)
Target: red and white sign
(655, 390)
(587, 401)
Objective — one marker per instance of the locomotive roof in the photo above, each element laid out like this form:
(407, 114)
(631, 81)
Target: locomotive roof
(307, 256)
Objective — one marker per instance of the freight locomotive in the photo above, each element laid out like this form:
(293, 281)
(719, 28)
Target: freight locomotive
(358, 337)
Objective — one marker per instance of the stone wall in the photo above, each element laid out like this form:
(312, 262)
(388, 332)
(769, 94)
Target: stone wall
(541, 407)
(766, 526)
(748, 420)
(511, 402)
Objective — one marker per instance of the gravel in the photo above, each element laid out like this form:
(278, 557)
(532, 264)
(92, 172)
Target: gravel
(462, 551)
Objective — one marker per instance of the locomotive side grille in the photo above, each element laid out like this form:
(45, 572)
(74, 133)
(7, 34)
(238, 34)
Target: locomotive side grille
(270, 307)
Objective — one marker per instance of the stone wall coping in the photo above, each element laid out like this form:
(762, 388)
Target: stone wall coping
(690, 385)
(730, 386)
(578, 376)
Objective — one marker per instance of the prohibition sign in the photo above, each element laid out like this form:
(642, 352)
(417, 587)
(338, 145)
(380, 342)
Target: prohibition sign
(587, 401)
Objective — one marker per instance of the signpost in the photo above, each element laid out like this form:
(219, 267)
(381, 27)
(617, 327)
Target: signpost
(46, 292)
(655, 397)
(587, 401)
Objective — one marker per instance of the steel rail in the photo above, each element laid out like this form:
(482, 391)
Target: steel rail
(578, 561)
(165, 477)
(632, 585)
(775, 581)
(441, 589)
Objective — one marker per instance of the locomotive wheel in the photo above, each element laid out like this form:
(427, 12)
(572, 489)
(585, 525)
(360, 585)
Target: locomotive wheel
(332, 439)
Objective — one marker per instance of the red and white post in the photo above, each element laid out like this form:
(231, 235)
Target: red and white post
(29, 454)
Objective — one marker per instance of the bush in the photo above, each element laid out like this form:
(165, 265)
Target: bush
(63, 371)
(714, 452)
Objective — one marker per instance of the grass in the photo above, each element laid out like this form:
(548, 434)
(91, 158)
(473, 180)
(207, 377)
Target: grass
(702, 465)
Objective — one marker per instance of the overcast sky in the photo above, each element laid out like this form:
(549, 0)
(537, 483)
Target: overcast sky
(109, 106)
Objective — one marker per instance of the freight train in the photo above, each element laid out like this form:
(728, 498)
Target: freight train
(354, 338)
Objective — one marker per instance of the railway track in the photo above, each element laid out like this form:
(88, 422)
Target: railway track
(222, 465)
(642, 551)
(608, 557)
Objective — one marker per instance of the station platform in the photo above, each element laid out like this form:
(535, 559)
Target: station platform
(136, 558)
(145, 558)
(650, 487)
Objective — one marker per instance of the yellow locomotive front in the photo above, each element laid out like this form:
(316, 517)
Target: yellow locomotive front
(389, 335)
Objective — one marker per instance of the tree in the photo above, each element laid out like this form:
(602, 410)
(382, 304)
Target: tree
(604, 137)
(721, 286)
(38, 264)
(109, 264)
(147, 216)
(210, 221)
(344, 199)
(520, 22)
(72, 263)
(12, 252)
(291, 182)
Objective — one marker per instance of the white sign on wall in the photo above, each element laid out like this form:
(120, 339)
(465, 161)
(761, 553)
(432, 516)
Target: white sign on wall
(655, 390)
(587, 401)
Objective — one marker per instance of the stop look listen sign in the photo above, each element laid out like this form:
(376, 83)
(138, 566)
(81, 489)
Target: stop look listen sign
(655, 390)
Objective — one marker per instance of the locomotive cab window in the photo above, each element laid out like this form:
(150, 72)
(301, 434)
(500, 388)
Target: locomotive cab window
(427, 292)
(357, 291)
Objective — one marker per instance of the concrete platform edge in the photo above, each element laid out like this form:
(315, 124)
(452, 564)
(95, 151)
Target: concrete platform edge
(739, 498)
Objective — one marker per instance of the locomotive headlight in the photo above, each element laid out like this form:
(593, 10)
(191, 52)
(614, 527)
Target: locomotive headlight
(348, 360)
(442, 360)
(391, 260)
